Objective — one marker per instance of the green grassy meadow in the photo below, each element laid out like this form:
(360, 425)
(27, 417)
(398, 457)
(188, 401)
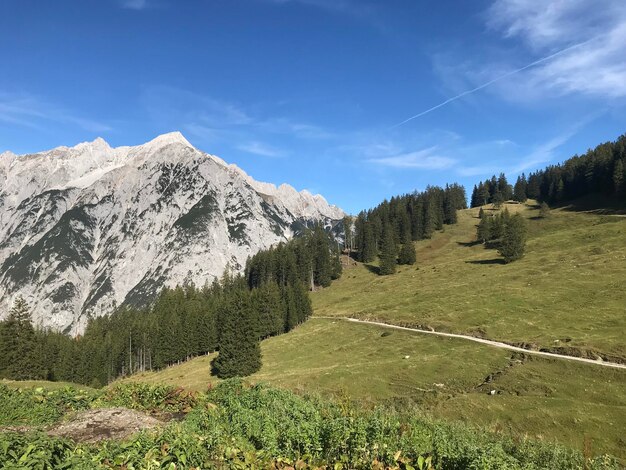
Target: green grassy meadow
(552, 400)
(567, 293)
(30, 384)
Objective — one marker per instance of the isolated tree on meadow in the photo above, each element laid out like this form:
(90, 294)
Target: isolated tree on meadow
(483, 231)
(544, 210)
(513, 242)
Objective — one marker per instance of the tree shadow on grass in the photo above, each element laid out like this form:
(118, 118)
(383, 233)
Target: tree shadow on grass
(469, 244)
(372, 269)
(595, 204)
(487, 261)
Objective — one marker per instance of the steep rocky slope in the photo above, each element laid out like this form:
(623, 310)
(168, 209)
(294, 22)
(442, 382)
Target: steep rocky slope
(86, 228)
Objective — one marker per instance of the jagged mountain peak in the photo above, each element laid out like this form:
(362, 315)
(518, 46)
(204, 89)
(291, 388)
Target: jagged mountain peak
(169, 138)
(87, 228)
(97, 144)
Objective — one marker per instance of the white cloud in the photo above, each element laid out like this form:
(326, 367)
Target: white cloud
(259, 148)
(597, 67)
(426, 159)
(543, 153)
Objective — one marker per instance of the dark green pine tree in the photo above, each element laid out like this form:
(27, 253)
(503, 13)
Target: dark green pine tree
(619, 178)
(430, 216)
(19, 349)
(322, 263)
(474, 201)
(239, 347)
(388, 253)
(519, 190)
(484, 195)
(290, 308)
(449, 209)
(269, 309)
(498, 199)
(498, 224)
(336, 267)
(367, 250)
(513, 242)
(407, 252)
(483, 231)
(504, 187)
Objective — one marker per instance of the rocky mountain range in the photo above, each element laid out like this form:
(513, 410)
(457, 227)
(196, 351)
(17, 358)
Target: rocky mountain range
(87, 228)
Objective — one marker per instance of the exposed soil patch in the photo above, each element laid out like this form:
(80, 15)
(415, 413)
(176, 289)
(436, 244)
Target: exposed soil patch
(105, 423)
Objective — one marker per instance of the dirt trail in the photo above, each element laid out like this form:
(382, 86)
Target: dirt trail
(495, 344)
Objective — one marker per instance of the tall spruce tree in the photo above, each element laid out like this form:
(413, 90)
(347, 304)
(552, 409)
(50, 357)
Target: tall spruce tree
(269, 309)
(368, 249)
(513, 244)
(239, 347)
(619, 178)
(19, 346)
(519, 190)
(483, 230)
(407, 252)
(388, 253)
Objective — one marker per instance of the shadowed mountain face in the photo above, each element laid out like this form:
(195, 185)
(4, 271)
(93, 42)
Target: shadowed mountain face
(87, 228)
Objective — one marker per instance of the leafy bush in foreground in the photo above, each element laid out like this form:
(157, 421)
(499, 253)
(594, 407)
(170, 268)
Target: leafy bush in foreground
(39, 406)
(241, 426)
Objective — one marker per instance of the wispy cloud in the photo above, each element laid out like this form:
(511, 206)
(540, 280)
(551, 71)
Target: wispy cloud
(544, 152)
(259, 148)
(597, 66)
(29, 111)
(492, 81)
(426, 159)
(213, 120)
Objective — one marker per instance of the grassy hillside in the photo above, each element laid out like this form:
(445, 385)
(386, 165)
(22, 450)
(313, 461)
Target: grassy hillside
(30, 384)
(569, 287)
(567, 294)
(553, 400)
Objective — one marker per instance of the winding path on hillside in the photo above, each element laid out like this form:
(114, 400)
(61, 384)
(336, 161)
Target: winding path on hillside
(488, 342)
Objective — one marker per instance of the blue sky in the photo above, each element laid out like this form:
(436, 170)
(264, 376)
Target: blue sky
(357, 100)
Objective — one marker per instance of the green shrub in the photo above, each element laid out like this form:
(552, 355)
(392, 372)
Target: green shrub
(240, 426)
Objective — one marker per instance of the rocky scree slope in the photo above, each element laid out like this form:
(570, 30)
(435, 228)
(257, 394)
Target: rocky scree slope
(88, 228)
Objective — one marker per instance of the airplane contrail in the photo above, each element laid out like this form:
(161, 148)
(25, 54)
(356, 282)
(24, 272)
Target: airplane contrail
(491, 82)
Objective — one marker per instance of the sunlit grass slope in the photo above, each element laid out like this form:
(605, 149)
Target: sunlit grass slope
(553, 400)
(568, 292)
(42, 384)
